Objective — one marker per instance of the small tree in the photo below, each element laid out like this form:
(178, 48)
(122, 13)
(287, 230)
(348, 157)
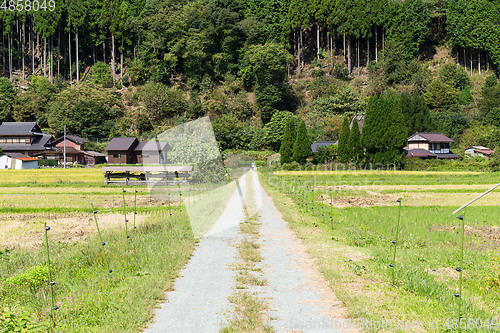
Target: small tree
(343, 150)
(288, 141)
(354, 143)
(302, 146)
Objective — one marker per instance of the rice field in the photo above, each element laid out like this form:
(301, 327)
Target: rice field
(417, 247)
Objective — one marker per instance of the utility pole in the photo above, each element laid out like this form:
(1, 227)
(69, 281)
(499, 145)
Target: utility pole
(64, 146)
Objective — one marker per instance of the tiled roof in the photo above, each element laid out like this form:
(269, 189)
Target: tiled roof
(121, 144)
(484, 151)
(420, 153)
(448, 155)
(317, 144)
(153, 146)
(74, 138)
(21, 157)
(431, 137)
(15, 128)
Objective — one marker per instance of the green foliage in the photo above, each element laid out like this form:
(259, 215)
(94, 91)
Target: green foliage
(161, 102)
(101, 74)
(465, 97)
(440, 96)
(87, 109)
(384, 132)
(356, 153)
(302, 146)
(7, 99)
(416, 113)
(340, 71)
(227, 130)
(288, 141)
(491, 81)
(325, 154)
(395, 63)
(454, 75)
(449, 123)
(409, 26)
(32, 279)
(490, 98)
(22, 321)
(345, 100)
(343, 146)
(47, 162)
(268, 65)
(276, 128)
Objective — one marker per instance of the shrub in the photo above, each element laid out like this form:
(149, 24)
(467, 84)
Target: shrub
(454, 75)
(47, 162)
(340, 71)
(101, 74)
(22, 321)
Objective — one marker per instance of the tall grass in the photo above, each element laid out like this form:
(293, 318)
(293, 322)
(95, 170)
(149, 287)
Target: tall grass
(89, 298)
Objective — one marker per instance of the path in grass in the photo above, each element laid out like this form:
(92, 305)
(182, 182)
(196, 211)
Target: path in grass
(199, 300)
(297, 296)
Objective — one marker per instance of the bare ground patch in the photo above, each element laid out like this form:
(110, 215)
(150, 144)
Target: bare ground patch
(26, 230)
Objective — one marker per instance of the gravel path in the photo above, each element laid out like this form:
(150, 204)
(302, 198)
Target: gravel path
(299, 298)
(200, 296)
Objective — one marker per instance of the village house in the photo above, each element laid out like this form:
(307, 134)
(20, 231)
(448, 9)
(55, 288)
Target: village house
(429, 146)
(75, 152)
(478, 151)
(17, 161)
(24, 138)
(131, 151)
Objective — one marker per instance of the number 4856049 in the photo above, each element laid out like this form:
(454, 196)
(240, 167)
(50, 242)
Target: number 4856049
(28, 5)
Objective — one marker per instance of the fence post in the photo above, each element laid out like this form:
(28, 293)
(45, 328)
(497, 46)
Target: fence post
(51, 283)
(395, 242)
(125, 214)
(135, 208)
(461, 265)
(100, 238)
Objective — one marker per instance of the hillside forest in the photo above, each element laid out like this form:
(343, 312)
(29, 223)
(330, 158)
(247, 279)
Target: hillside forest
(107, 68)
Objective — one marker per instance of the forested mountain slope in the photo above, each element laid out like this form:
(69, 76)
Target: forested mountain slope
(146, 65)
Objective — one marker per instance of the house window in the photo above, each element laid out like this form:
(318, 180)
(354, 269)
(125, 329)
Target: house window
(18, 140)
(145, 156)
(3, 140)
(117, 155)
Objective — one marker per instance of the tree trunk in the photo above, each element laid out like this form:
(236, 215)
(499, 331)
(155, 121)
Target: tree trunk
(376, 44)
(465, 60)
(349, 54)
(32, 36)
(301, 50)
(58, 50)
(3, 51)
(9, 37)
(69, 57)
(383, 39)
(113, 56)
(121, 65)
(367, 51)
(334, 45)
(357, 57)
(77, 58)
(104, 50)
(344, 49)
(51, 58)
(479, 61)
(45, 57)
(317, 39)
(298, 54)
(22, 47)
(487, 62)
(471, 63)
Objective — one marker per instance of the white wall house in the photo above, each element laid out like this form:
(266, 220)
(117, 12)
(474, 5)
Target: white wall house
(17, 162)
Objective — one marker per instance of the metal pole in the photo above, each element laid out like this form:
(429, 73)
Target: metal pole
(476, 198)
(64, 146)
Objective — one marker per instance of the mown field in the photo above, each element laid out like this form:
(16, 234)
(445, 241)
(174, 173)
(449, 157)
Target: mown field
(98, 288)
(349, 221)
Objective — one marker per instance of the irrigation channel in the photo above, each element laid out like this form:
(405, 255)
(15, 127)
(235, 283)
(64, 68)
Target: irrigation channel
(297, 298)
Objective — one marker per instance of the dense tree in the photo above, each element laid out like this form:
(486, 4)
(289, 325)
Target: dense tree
(416, 113)
(302, 146)
(343, 150)
(275, 129)
(354, 143)
(288, 141)
(268, 66)
(384, 133)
